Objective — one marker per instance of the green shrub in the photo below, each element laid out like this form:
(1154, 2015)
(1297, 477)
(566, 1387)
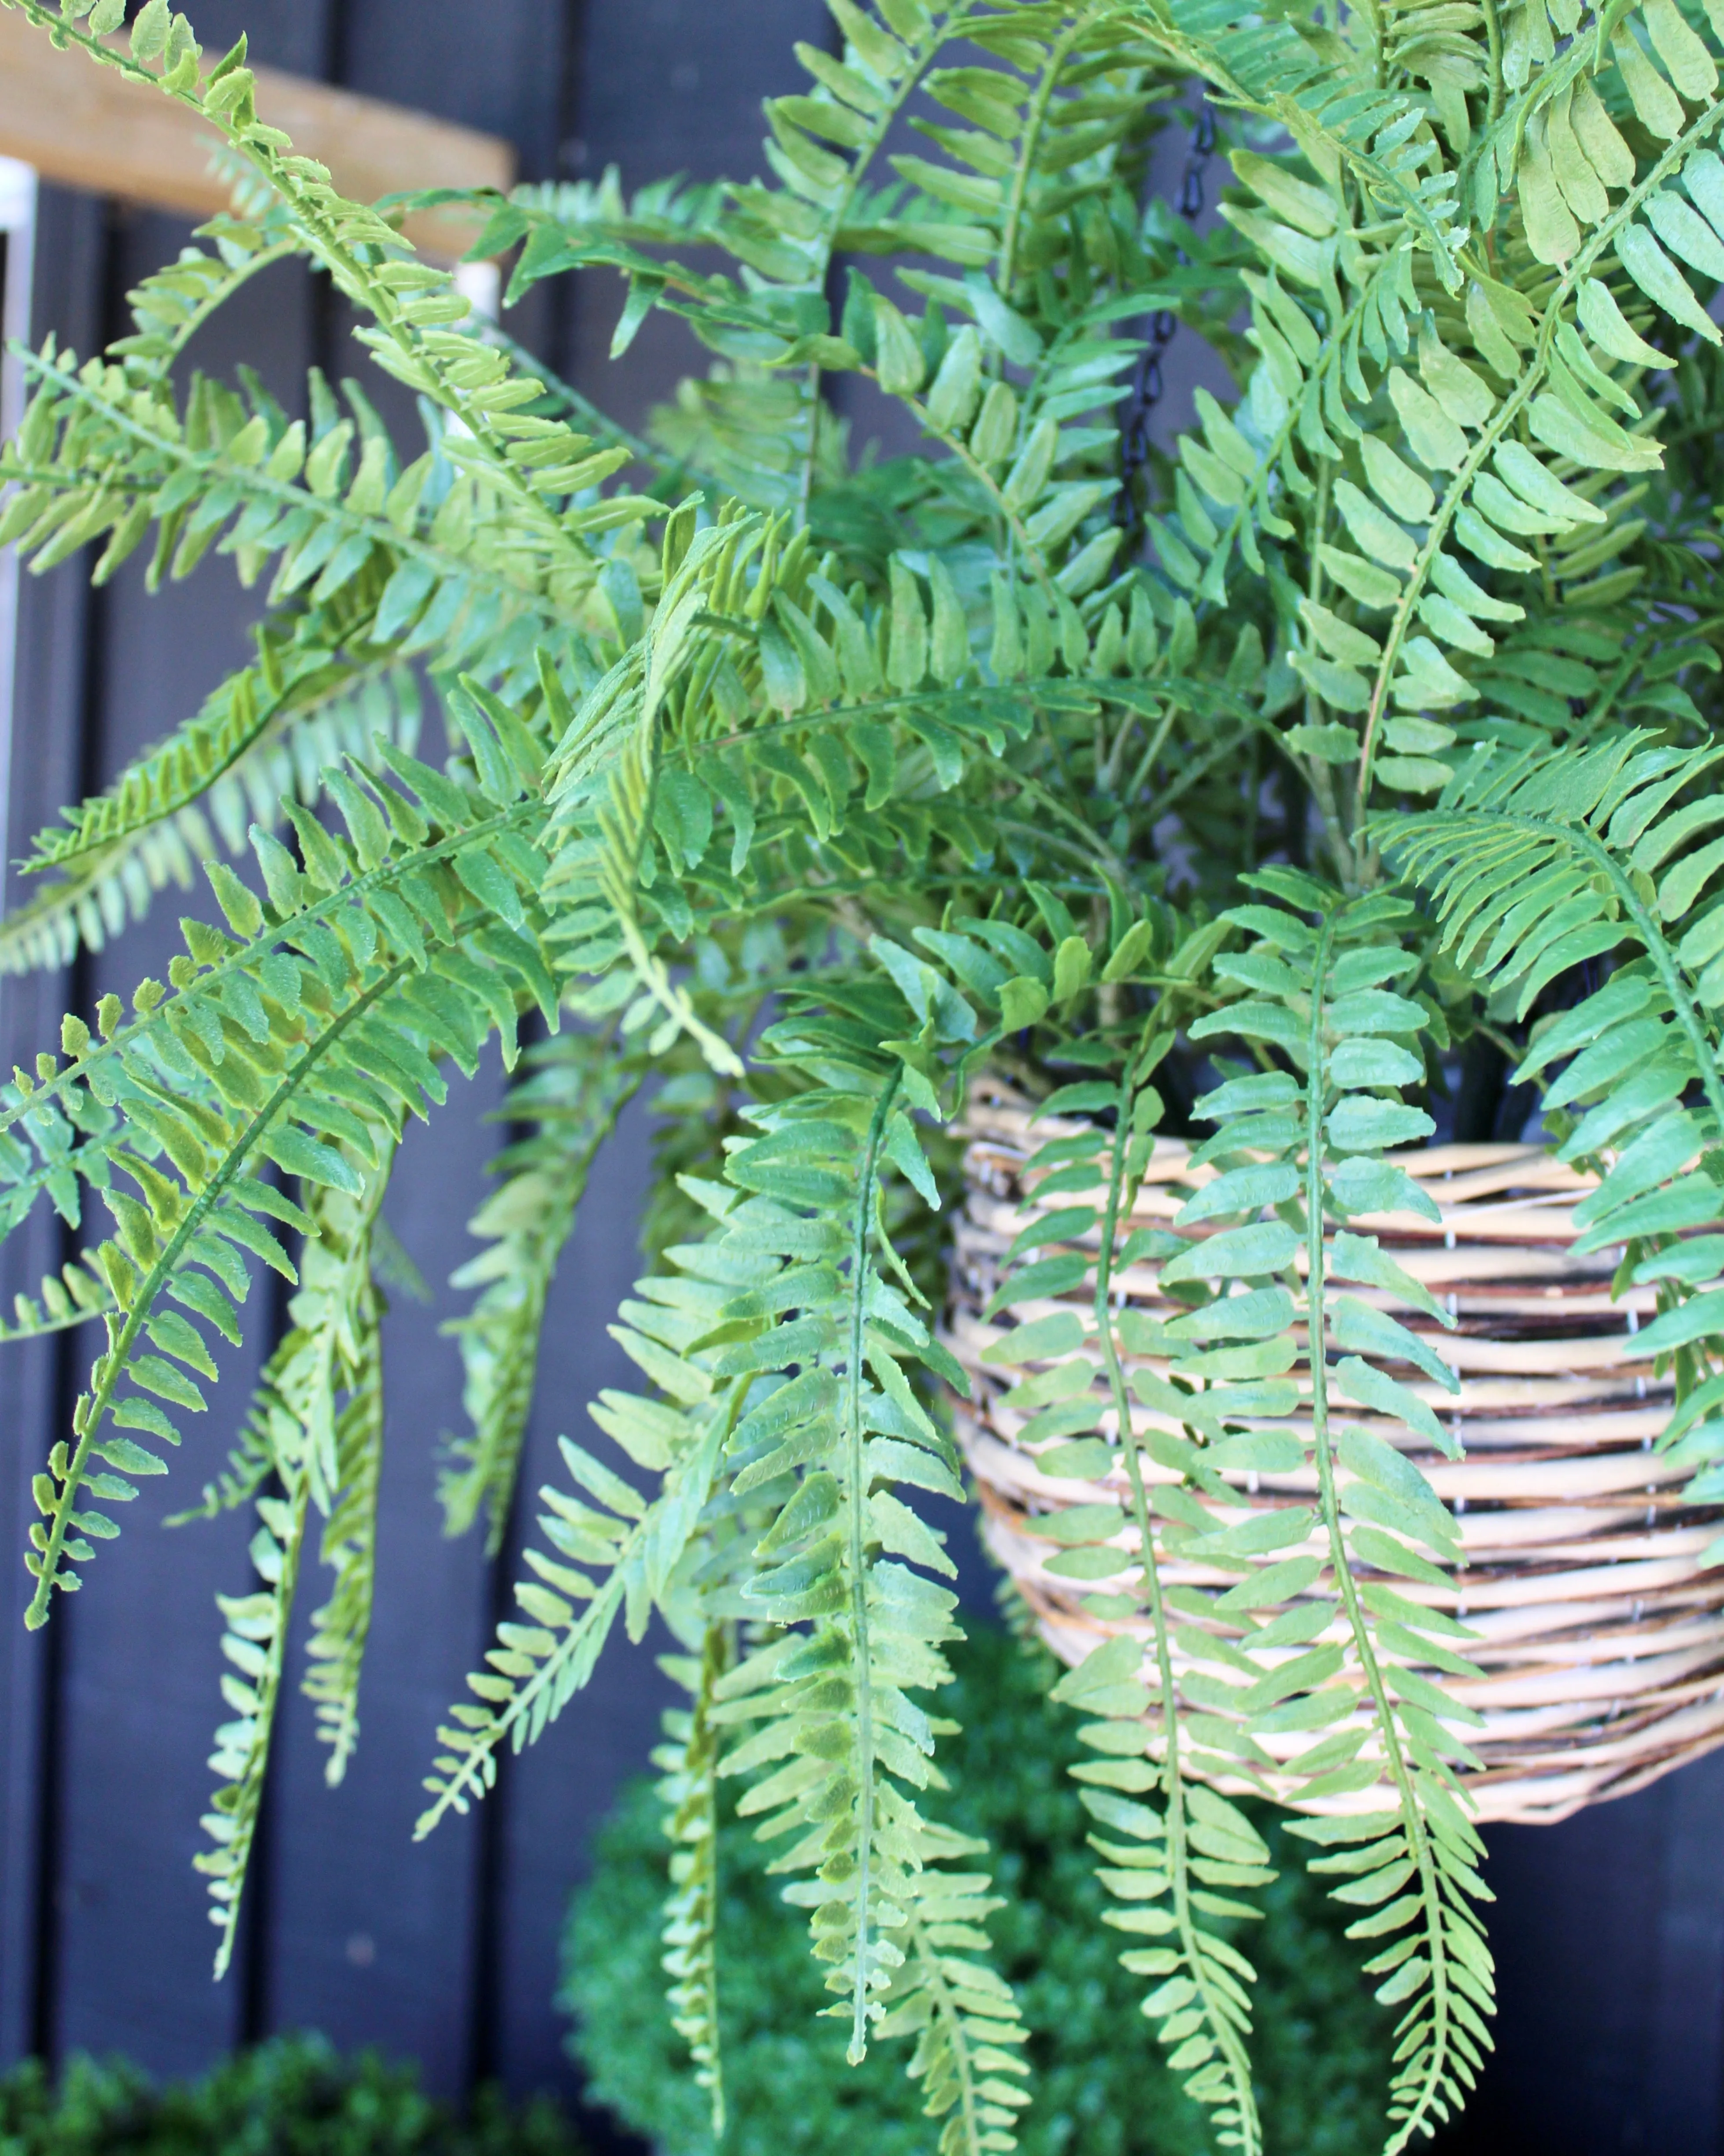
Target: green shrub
(1102, 2087)
(295, 2095)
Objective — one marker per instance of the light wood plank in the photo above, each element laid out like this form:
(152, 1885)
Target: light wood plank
(87, 126)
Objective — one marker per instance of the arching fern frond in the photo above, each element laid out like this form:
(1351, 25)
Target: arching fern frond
(278, 1043)
(1542, 865)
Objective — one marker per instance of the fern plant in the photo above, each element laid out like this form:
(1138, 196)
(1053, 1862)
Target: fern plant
(1242, 789)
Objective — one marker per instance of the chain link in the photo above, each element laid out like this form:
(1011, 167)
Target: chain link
(1147, 384)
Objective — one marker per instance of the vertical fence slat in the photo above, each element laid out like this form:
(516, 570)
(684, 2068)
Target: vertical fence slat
(661, 86)
(371, 1936)
(141, 1658)
(48, 687)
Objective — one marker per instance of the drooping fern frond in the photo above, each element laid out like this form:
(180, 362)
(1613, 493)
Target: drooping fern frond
(1162, 1864)
(1301, 1153)
(320, 1458)
(254, 1643)
(966, 2021)
(835, 1700)
(827, 1449)
(339, 1302)
(578, 1088)
(689, 1759)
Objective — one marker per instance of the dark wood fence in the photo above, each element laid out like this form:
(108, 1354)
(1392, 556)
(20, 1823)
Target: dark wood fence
(1611, 1929)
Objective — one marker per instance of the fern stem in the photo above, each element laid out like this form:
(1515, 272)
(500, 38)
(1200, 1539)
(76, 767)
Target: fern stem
(1317, 773)
(855, 1443)
(1493, 37)
(1346, 1586)
(1220, 2027)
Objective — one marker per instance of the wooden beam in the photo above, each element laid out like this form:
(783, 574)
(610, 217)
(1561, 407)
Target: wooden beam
(88, 126)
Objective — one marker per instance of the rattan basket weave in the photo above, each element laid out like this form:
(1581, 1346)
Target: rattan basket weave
(1601, 1638)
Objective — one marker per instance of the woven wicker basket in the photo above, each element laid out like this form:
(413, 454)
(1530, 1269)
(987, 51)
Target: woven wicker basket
(1601, 1639)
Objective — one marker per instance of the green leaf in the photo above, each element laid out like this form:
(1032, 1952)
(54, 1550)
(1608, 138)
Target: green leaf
(1372, 1387)
(149, 31)
(1043, 1340)
(1366, 1331)
(1661, 281)
(1379, 540)
(1263, 1247)
(1329, 743)
(900, 365)
(1603, 322)
(1362, 1258)
(1400, 489)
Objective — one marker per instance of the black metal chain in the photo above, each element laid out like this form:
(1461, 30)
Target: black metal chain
(1147, 384)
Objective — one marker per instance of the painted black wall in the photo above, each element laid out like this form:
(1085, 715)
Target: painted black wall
(1610, 1929)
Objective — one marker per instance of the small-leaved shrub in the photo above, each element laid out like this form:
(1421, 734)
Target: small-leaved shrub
(293, 2095)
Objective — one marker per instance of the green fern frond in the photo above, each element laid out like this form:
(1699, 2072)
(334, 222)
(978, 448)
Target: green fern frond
(1161, 1866)
(578, 1088)
(536, 1668)
(689, 1759)
(322, 1459)
(254, 1643)
(1532, 859)
(232, 766)
(965, 2016)
(302, 1031)
(1300, 1150)
(172, 304)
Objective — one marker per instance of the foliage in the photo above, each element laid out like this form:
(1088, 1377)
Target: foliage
(293, 2096)
(1100, 2087)
(811, 785)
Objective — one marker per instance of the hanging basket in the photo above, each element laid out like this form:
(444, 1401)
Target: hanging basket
(1601, 1638)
